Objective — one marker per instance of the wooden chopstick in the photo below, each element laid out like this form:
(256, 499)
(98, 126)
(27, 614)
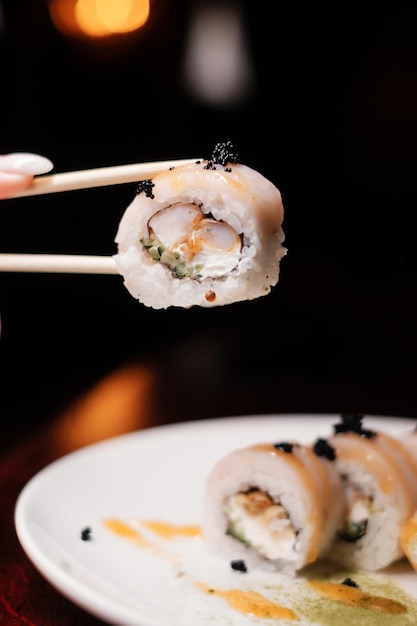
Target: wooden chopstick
(71, 181)
(99, 177)
(58, 263)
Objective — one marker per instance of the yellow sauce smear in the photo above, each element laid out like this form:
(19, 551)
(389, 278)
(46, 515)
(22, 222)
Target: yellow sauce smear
(355, 597)
(171, 531)
(250, 603)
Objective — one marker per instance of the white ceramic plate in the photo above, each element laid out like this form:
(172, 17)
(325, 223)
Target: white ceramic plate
(130, 575)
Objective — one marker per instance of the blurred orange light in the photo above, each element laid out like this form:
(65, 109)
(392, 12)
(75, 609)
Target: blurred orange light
(121, 402)
(99, 18)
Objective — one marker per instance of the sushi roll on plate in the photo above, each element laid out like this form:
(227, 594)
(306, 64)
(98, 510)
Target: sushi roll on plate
(378, 476)
(408, 537)
(409, 441)
(408, 534)
(274, 506)
(206, 234)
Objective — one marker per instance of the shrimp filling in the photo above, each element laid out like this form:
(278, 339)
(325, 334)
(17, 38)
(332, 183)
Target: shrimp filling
(191, 244)
(359, 506)
(259, 522)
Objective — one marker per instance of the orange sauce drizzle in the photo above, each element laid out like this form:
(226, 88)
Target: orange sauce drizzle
(166, 531)
(171, 531)
(163, 529)
(355, 597)
(250, 602)
(127, 532)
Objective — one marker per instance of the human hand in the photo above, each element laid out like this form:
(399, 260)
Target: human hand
(17, 170)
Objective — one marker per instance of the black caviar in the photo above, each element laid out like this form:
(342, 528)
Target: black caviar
(239, 566)
(146, 186)
(86, 533)
(284, 446)
(352, 423)
(223, 153)
(350, 583)
(323, 448)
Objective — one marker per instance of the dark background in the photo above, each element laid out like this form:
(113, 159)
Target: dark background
(332, 121)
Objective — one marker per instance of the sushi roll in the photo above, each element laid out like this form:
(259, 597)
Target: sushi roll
(273, 506)
(204, 234)
(408, 534)
(378, 476)
(408, 537)
(409, 440)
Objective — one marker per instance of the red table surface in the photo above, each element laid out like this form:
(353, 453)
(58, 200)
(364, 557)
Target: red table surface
(121, 403)
(25, 596)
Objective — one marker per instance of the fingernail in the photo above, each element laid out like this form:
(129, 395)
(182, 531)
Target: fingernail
(25, 163)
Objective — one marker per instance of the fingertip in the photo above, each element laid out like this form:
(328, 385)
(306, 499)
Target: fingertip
(25, 163)
(12, 183)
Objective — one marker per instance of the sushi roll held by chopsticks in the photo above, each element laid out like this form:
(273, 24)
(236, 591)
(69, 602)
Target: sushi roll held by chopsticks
(206, 234)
